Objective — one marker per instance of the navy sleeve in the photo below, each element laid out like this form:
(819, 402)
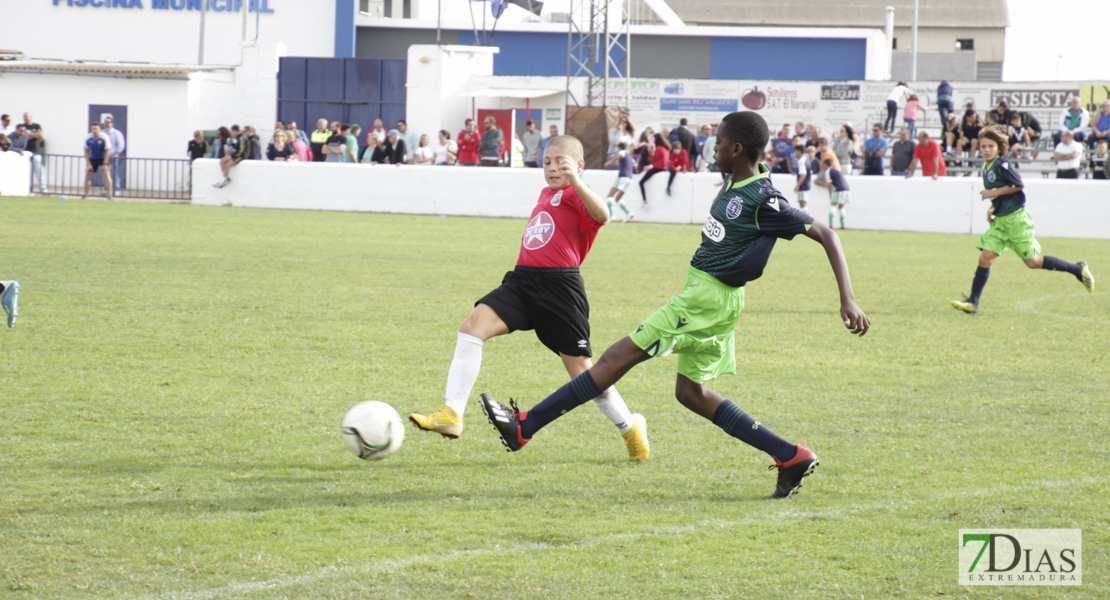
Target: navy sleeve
(1009, 175)
(776, 217)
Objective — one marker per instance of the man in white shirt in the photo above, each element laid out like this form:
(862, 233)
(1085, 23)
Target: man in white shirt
(412, 141)
(1069, 154)
(1075, 119)
(119, 144)
(6, 126)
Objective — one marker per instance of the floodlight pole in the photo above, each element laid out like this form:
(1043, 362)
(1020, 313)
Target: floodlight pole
(913, 67)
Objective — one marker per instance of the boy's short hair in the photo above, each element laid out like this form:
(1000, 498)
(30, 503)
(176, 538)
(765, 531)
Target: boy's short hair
(822, 141)
(235, 127)
(569, 143)
(528, 122)
(97, 123)
(624, 146)
(749, 129)
(1101, 143)
(801, 149)
(827, 162)
(998, 137)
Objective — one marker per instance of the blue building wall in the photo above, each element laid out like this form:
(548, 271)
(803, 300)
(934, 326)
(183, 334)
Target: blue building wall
(803, 59)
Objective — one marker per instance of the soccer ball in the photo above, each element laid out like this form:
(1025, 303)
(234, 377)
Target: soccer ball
(373, 430)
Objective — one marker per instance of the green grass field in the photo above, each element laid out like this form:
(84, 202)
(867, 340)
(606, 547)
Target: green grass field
(173, 390)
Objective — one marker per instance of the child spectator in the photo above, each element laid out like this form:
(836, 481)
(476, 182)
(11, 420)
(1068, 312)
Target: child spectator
(680, 162)
(1098, 163)
(660, 161)
(802, 185)
(910, 116)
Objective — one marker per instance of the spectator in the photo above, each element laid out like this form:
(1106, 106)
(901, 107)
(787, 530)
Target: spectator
(18, 139)
(898, 93)
(300, 147)
(680, 162)
(970, 126)
(318, 138)
(280, 126)
(446, 151)
(1032, 126)
(781, 151)
(397, 150)
(98, 149)
(378, 131)
(1002, 113)
(785, 132)
(516, 159)
(643, 150)
(119, 146)
(660, 161)
(5, 143)
(845, 147)
(36, 146)
(553, 133)
(1018, 134)
(944, 100)
(1100, 124)
(804, 177)
(335, 149)
(279, 149)
(235, 150)
(699, 163)
(197, 146)
(352, 133)
(531, 140)
(929, 155)
(901, 153)
(825, 153)
(374, 153)
(874, 149)
(412, 141)
(950, 132)
(254, 145)
(910, 116)
(624, 160)
(468, 145)
(6, 126)
(489, 148)
(1100, 167)
(1068, 155)
(687, 139)
(423, 154)
(800, 130)
(624, 131)
(223, 134)
(301, 135)
(1075, 119)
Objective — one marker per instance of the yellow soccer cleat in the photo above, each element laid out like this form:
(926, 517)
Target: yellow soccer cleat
(1086, 277)
(965, 305)
(636, 439)
(444, 421)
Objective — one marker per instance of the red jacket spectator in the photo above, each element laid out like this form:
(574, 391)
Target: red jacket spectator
(926, 152)
(468, 147)
(680, 161)
(661, 157)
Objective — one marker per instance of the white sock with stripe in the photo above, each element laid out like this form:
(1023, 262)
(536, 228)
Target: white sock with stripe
(612, 405)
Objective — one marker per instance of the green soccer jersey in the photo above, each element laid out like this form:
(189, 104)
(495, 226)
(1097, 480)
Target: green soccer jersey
(1000, 173)
(745, 220)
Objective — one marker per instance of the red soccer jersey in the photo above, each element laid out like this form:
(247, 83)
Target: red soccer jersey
(560, 232)
(926, 153)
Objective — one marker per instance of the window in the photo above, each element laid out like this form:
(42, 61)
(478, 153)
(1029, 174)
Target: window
(894, 44)
(965, 44)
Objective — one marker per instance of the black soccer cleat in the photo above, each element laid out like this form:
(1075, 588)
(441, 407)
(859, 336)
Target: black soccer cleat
(792, 472)
(505, 420)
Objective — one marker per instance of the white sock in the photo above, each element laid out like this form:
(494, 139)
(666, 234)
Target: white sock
(612, 405)
(464, 371)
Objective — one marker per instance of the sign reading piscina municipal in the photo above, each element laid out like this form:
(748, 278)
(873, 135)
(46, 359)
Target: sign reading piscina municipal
(259, 6)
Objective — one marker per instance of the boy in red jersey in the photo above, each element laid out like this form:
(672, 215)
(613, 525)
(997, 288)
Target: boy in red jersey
(544, 292)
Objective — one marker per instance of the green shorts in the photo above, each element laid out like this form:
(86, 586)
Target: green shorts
(1014, 230)
(698, 325)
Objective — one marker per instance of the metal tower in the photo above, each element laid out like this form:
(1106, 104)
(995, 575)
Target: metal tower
(598, 51)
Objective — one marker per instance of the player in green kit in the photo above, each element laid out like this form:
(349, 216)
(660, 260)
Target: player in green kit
(1010, 224)
(746, 219)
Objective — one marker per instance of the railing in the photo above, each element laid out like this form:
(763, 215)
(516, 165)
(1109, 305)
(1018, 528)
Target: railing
(153, 178)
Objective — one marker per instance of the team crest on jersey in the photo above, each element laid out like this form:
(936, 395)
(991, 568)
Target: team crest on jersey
(991, 176)
(539, 231)
(557, 199)
(734, 207)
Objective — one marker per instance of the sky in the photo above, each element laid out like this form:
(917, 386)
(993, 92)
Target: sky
(1051, 40)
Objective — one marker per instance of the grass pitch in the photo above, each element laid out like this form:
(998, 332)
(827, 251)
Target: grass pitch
(173, 390)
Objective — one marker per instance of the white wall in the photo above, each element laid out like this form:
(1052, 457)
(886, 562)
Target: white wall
(157, 115)
(1078, 209)
(15, 178)
(146, 34)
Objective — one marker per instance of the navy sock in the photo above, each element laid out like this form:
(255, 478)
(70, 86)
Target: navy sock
(978, 283)
(1055, 264)
(579, 391)
(739, 425)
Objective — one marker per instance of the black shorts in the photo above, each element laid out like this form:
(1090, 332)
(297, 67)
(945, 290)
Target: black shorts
(96, 163)
(551, 301)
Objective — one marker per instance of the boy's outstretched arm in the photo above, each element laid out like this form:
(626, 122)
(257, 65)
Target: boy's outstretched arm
(850, 312)
(593, 202)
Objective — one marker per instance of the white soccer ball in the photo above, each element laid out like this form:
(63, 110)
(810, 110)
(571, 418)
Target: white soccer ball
(373, 430)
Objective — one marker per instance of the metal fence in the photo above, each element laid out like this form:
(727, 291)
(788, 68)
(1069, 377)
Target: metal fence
(154, 178)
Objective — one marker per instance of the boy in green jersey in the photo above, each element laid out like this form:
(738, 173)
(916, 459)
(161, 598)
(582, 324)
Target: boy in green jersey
(745, 220)
(1010, 224)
